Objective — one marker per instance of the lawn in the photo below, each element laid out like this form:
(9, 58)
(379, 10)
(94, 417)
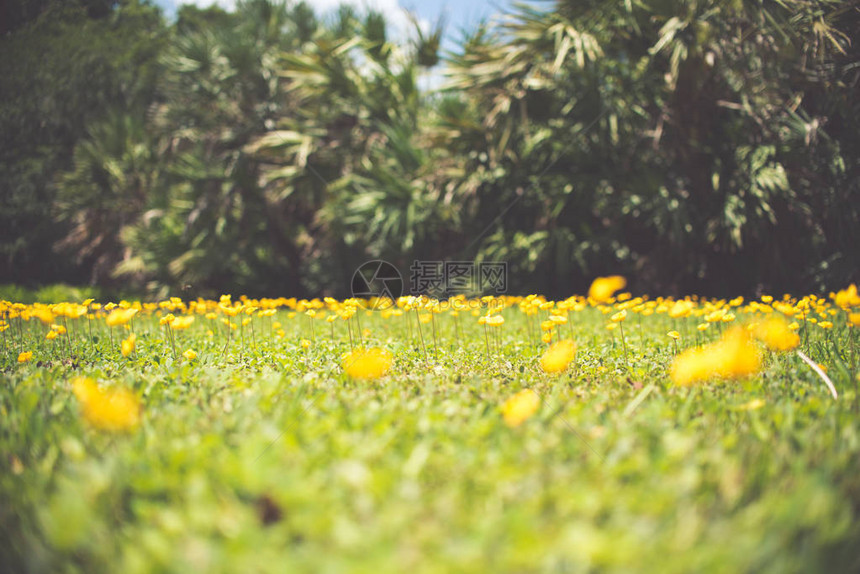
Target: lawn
(257, 437)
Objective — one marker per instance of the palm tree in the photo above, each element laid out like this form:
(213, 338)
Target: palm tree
(115, 170)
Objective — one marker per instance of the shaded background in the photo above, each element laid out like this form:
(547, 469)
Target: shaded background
(696, 147)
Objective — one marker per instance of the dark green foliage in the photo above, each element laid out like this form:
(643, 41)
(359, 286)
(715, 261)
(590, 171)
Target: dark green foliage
(694, 146)
(62, 73)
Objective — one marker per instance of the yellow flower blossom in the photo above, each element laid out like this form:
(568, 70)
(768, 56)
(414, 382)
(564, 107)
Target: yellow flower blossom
(620, 316)
(603, 288)
(25, 356)
(110, 409)
(734, 356)
(674, 335)
(190, 354)
(127, 345)
(520, 407)
(367, 363)
(847, 297)
(558, 357)
(777, 335)
(182, 322)
(119, 317)
(43, 314)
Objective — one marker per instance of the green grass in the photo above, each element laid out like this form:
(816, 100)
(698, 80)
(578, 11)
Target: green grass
(267, 458)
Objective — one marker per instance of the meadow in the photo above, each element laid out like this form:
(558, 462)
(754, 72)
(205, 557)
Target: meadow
(600, 433)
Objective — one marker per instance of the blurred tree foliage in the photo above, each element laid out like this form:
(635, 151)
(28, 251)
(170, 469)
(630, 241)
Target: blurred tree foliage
(694, 145)
(64, 67)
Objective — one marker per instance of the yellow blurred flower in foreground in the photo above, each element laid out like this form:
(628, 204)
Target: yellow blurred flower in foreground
(190, 354)
(367, 363)
(777, 335)
(127, 346)
(734, 356)
(603, 288)
(557, 358)
(674, 335)
(25, 356)
(520, 407)
(110, 409)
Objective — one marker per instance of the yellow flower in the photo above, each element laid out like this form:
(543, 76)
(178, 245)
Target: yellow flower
(167, 319)
(681, 309)
(25, 357)
(557, 358)
(603, 288)
(127, 345)
(825, 324)
(190, 354)
(43, 314)
(546, 337)
(367, 363)
(702, 326)
(182, 322)
(854, 319)
(620, 316)
(734, 356)
(119, 317)
(520, 407)
(847, 297)
(51, 335)
(674, 335)
(305, 343)
(111, 409)
(777, 335)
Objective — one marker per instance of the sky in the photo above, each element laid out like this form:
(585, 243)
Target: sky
(459, 14)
